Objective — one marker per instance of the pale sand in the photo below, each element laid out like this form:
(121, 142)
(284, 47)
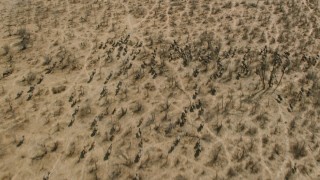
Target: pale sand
(139, 117)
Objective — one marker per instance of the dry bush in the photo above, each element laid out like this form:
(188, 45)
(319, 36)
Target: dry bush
(138, 12)
(24, 37)
(240, 154)
(71, 149)
(66, 60)
(8, 71)
(57, 111)
(6, 50)
(30, 78)
(262, 119)
(39, 152)
(291, 171)
(218, 157)
(58, 89)
(315, 91)
(46, 60)
(253, 167)
(136, 107)
(317, 33)
(298, 149)
(311, 76)
(227, 5)
(252, 131)
(180, 177)
(121, 113)
(53, 146)
(85, 111)
(231, 172)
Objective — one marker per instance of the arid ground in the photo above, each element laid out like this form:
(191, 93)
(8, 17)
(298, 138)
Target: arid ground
(159, 89)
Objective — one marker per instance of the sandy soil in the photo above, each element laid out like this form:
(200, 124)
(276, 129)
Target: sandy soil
(159, 89)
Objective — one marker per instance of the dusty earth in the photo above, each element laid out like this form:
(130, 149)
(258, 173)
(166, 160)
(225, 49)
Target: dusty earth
(159, 89)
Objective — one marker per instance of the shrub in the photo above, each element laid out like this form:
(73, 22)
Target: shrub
(24, 36)
(298, 150)
(6, 50)
(58, 89)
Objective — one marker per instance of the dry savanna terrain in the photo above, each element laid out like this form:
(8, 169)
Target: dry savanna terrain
(159, 89)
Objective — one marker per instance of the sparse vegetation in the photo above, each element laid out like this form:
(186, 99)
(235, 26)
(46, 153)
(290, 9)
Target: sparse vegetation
(298, 149)
(212, 89)
(6, 50)
(24, 38)
(58, 89)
